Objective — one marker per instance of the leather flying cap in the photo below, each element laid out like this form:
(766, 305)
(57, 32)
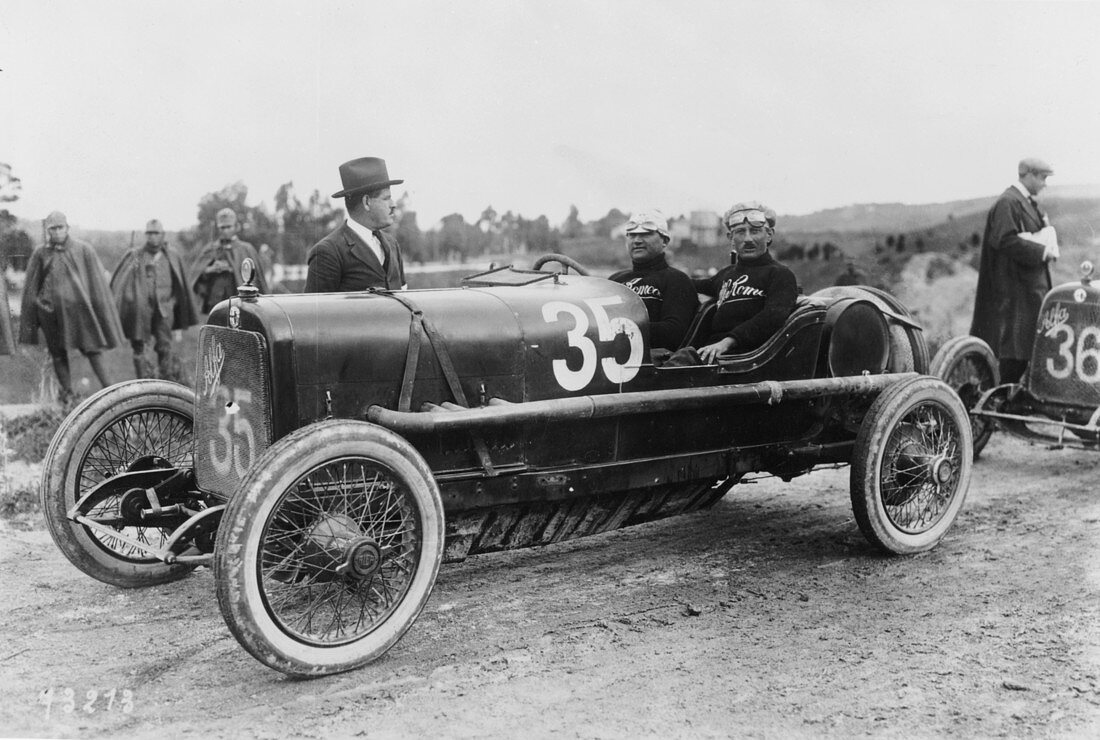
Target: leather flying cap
(647, 220)
(57, 218)
(225, 216)
(1033, 164)
(364, 175)
(154, 227)
(753, 211)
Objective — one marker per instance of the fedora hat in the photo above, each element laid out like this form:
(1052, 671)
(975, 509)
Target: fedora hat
(363, 175)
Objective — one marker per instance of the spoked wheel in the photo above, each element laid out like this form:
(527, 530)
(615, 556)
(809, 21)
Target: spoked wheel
(136, 425)
(911, 466)
(329, 548)
(564, 260)
(967, 364)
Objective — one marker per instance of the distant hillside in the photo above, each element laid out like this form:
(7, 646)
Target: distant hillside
(885, 218)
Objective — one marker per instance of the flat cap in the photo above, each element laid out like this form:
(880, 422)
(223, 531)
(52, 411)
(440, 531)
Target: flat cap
(226, 216)
(1034, 164)
(57, 218)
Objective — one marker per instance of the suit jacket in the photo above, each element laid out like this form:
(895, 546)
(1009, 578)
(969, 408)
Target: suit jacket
(130, 287)
(1012, 277)
(83, 301)
(343, 262)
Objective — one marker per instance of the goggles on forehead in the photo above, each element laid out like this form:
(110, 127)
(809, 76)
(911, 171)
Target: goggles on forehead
(632, 226)
(752, 218)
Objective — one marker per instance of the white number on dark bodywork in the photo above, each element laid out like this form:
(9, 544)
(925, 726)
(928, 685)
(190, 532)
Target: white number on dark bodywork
(607, 328)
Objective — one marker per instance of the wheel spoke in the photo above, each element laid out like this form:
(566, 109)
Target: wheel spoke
(149, 432)
(312, 531)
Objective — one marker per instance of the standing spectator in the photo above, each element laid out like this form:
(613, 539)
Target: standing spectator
(153, 295)
(1017, 247)
(67, 297)
(667, 293)
(7, 336)
(361, 253)
(216, 271)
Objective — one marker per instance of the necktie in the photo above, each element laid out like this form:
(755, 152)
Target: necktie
(385, 252)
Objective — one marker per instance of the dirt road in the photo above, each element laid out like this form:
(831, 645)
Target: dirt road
(767, 616)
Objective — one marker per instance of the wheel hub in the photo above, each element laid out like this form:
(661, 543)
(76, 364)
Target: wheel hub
(362, 558)
(942, 470)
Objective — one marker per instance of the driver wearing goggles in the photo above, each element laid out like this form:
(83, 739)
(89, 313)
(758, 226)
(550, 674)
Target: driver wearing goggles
(755, 293)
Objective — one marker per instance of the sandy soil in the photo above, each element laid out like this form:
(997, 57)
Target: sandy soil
(767, 616)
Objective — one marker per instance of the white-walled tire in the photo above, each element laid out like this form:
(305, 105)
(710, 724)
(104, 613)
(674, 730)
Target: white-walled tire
(911, 466)
(329, 548)
(968, 365)
(103, 436)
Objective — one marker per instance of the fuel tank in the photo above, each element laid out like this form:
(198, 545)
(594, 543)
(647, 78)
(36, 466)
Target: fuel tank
(337, 354)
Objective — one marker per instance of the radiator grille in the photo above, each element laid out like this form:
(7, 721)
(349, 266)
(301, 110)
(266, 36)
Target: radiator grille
(232, 407)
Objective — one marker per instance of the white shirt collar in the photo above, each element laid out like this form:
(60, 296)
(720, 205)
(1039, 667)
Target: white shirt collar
(1020, 186)
(367, 236)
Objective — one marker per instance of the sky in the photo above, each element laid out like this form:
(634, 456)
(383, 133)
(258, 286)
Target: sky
(116, 112)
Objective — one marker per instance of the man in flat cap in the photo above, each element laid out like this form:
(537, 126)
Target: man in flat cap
(1017, 248)
(153, 293)
(667, 293)
(216, 271)
(361, 253)
(755, 293)
(67, 298)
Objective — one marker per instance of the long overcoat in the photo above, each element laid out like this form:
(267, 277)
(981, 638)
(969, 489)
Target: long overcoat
(131, 291)
(238, 251)
(343, 262)
(1012, 278)
(84, 303)
(7, 335)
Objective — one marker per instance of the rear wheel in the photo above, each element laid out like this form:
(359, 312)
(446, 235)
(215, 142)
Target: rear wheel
(911, 466)
(130, 426)
(329, 548)
(967, 364)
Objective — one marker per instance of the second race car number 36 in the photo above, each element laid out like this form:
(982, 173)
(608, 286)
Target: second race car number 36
(579, 319)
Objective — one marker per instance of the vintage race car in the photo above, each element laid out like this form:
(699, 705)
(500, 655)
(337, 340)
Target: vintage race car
(336, 448)
(1059, 393)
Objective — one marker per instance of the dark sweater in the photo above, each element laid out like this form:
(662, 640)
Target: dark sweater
(668, 296)
(754, 299)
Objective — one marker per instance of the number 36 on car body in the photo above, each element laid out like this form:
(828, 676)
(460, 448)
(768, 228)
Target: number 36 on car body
(607, 328)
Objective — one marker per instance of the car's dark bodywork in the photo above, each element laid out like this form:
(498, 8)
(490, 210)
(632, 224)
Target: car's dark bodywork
(336, 448)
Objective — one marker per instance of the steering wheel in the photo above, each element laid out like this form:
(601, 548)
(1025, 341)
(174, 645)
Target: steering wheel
(563, 260)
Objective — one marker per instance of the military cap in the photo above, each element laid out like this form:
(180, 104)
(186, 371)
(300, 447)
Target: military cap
(57, 218)
(226, 216)
(154, 227)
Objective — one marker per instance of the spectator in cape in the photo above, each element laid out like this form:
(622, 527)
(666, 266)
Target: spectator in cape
(152, 291)
(216, 270)
(66, 298)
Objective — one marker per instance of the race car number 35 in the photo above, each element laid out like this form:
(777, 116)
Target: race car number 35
(608, 327)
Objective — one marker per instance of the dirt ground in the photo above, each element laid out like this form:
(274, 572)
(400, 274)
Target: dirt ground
(767, 616)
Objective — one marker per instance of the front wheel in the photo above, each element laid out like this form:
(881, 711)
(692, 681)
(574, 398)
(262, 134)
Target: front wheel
(121, 428)
(967, 364)
(329, 548)
(911, 466)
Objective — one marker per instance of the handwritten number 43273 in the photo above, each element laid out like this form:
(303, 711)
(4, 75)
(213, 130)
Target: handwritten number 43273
(66, 700)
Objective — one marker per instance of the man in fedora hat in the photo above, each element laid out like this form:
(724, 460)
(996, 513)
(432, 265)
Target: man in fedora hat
(67, 298)
(360, 254)
(1018, 246)
(216, 271)
(153, 294)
